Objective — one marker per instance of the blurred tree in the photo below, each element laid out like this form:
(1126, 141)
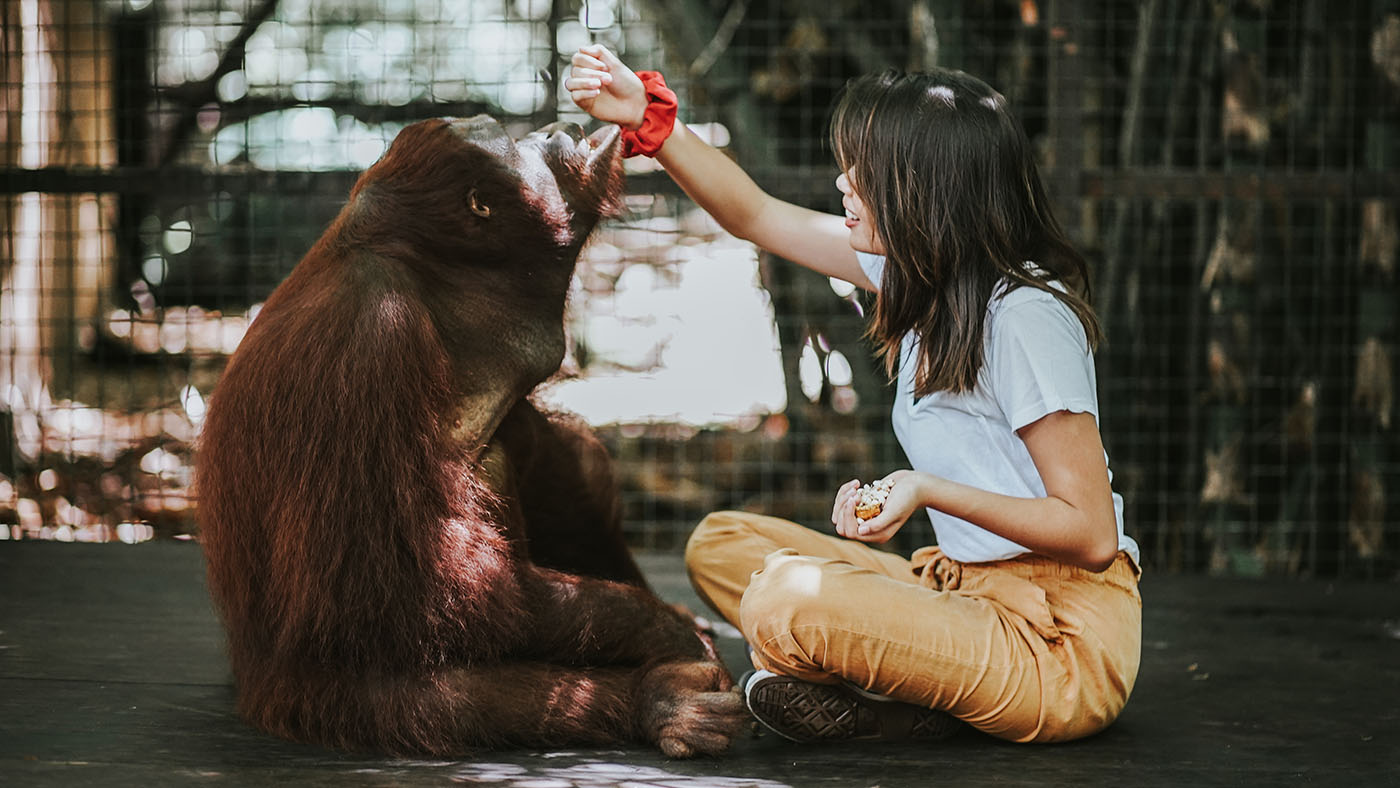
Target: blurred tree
(1373, 397)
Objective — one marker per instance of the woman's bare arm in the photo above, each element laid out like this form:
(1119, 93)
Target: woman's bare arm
(1074, 523)
(608, 90)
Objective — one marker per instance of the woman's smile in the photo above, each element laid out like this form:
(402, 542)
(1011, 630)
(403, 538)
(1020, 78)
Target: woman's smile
(863, 237)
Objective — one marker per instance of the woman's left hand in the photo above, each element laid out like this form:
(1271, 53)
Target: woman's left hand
(905, 498)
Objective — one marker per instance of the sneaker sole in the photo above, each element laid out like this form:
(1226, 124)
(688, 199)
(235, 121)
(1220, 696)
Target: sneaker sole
(806, 712)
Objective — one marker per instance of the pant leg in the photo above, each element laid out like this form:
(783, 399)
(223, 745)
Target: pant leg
(991, 655)
(1089, 667)
(728, 547)
(1026, 650)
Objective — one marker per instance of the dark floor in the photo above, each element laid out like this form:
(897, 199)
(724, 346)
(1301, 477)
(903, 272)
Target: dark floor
(111, 673)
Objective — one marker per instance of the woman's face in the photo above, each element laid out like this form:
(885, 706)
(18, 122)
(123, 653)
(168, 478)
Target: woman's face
(858, 219)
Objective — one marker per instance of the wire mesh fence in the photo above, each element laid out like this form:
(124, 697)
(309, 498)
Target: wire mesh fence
(1229, 167)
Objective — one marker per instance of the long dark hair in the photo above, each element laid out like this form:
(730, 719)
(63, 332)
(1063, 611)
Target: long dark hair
(952, 186)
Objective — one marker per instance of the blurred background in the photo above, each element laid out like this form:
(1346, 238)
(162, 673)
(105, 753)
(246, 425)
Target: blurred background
(1230, 169)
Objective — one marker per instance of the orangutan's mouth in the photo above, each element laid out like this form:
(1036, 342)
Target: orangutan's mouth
(599, 141)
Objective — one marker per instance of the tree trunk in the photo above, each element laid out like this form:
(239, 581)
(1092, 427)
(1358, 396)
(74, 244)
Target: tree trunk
(80, 269)
(1230, 289)
(1373, 394)
(58, 245)
(29, 123)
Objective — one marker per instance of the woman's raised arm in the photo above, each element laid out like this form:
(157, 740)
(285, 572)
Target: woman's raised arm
(604, 87)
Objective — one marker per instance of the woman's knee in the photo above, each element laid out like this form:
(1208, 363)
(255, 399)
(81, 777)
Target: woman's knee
(717, 534)
(782, 596)
(784, 617)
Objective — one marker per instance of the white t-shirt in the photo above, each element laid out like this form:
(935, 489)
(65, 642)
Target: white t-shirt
(1035, 361)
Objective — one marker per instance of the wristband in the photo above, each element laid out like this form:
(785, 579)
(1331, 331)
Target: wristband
(657, 122)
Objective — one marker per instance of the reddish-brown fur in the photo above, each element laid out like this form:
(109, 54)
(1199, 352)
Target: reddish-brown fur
(407, 555)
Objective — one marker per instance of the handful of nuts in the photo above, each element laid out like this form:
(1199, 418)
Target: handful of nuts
(872, 498)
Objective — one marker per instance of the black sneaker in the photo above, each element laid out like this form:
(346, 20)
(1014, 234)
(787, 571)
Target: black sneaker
(807, 712)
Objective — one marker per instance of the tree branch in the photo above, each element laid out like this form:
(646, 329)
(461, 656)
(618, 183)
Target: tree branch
(194, 95)
(719, 42)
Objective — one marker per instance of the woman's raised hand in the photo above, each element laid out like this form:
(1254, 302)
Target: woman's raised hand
(605, 88)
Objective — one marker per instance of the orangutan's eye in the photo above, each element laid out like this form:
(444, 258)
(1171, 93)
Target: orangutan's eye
(478, 207)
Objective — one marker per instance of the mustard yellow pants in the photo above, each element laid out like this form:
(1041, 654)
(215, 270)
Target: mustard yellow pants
(1028, 649)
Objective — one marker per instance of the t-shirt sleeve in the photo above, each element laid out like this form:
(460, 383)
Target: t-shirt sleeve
(873, 265)
(1039, 361)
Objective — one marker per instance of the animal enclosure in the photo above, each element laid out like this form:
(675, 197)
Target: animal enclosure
(1232, 170)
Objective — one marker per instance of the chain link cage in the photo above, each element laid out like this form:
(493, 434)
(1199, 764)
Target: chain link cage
(1229, 168)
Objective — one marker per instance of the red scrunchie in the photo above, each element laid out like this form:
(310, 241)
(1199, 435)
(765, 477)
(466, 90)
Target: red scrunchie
(658, 121)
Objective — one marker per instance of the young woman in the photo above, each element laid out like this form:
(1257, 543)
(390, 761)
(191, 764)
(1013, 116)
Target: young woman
(1025, 620)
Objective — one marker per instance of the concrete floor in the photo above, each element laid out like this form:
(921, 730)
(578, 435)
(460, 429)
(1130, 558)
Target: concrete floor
(112, 673)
